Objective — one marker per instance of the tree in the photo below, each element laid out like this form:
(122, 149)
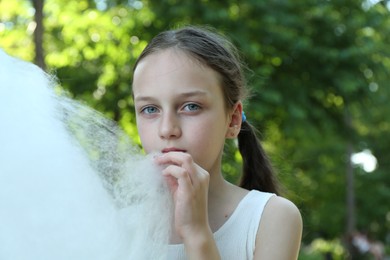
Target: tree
(310, 62)
(38, 33)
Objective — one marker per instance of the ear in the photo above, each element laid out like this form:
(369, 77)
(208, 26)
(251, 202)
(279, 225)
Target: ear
(235, 120)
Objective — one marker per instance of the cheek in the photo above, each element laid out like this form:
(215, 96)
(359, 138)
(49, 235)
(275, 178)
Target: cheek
(207, 146)
(208, 136)
(146, 136)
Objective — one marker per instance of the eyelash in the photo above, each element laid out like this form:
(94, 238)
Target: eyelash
(192, 105)
(189, 107)
(145, 109)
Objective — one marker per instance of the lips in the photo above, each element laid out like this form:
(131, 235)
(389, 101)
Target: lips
(173, 149)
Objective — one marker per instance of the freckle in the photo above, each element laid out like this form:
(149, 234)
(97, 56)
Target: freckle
(227, 215)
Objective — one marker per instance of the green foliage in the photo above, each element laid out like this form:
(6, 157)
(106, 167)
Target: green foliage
(16, 28)
(319, 248)
(309, 63)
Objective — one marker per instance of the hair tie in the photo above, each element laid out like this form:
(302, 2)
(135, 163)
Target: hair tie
(243, 116)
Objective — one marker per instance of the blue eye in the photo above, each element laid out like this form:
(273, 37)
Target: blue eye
(149, 110)
(191, 107)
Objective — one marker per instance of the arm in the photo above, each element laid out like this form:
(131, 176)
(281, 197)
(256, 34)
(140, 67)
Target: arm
(201, 245)
(280, 231)
(189, 185)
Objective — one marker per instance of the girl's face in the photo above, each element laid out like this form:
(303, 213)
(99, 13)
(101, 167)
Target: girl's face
(180, 107)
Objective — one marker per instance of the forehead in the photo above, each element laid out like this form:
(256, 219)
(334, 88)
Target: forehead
(173, 68)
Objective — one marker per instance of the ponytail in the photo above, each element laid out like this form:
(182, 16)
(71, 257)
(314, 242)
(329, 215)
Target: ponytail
(257, 170)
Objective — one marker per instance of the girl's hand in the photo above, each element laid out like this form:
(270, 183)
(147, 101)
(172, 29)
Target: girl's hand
(189, 184)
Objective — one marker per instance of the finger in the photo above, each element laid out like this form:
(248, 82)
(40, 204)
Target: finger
(181, 174)
(171, 182)
(196, 173)
(178, 158)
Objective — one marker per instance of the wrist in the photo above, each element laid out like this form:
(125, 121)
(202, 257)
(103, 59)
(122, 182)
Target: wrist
(200, 244)
(197, 235)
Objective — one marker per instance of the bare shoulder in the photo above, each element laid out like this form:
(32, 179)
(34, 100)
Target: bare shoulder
(282, 209)
(280, 230)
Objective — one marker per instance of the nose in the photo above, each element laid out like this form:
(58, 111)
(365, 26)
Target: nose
(170, 126)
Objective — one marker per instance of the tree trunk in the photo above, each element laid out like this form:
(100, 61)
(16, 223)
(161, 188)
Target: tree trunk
(38, 34)
(350, 190)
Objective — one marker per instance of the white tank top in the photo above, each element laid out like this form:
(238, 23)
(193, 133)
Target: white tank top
(236, 239)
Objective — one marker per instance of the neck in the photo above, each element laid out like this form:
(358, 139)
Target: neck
(223, 198)
(218, 186)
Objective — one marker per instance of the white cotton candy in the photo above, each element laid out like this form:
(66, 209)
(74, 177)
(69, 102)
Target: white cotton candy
(72, 186)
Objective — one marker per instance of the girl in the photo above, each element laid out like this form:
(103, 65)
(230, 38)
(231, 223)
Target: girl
(188, 89)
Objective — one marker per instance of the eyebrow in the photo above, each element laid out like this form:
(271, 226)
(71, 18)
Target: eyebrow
(181, 95)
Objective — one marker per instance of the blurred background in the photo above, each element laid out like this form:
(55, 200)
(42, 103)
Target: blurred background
(319, 71)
